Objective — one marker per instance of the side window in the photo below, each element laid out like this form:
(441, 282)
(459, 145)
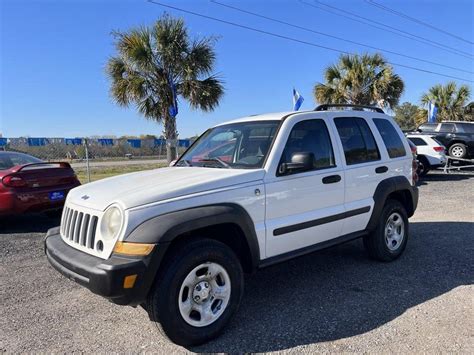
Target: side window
(392, 140)
(310, 136)
(417, 141)
(447, 128)
(467, 127)
(357, 140)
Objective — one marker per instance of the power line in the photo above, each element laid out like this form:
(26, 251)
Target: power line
(413, 19)
(387, 28)
(295, 39)
(336, 37)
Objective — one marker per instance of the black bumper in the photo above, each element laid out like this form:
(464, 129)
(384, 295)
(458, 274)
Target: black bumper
(104, 277)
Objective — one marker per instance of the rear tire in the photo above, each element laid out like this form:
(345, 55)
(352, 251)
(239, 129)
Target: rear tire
(458, 150)
(423, 166)
(389, 239)
(187, 304)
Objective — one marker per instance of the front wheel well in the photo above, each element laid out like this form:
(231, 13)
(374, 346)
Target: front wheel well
(229, 234)
(404, 197)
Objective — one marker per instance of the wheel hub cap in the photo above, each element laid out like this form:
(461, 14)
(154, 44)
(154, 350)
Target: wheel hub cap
(394, 231)
(204, 294)
(201, 292)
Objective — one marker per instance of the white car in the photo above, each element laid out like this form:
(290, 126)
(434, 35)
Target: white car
(431, 154)
(178, 240)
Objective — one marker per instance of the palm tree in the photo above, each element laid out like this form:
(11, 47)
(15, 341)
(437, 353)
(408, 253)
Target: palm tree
(362, 80)
(157, 65)
(449, 99)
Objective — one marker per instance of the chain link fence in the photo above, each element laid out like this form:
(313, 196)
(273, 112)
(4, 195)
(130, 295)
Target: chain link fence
(97, 158)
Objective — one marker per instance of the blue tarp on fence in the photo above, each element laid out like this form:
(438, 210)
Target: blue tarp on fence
(183, 143)
(3, 142)
(37, 142)
(105, 141)
(73, 141)
(159, 142)
(135, 143)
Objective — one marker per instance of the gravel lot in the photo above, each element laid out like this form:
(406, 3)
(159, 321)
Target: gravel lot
(335, 300)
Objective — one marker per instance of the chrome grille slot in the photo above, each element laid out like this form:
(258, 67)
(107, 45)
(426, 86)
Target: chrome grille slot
(79, 227)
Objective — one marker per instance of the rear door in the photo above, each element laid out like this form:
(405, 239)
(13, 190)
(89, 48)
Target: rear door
(301, 206)
(364, 169)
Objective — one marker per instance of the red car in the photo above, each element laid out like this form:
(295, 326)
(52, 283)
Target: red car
(28, 184)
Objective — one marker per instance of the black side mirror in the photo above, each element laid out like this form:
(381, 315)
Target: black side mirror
(302, 161)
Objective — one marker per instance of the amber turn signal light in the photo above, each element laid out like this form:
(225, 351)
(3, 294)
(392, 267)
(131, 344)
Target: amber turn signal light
(134, 249)
(129, 281)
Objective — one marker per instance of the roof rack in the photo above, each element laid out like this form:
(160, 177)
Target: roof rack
(326, 107)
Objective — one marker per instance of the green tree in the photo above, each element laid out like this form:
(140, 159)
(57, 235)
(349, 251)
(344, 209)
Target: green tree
(156, 66)
(362, 80)
(405, 115)
(449, 99)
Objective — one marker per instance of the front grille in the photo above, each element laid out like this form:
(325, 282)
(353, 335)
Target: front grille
(79, 227)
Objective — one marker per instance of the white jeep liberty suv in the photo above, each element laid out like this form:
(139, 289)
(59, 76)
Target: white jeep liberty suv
(247, 194)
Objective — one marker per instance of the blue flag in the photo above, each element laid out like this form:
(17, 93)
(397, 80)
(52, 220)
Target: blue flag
(432, 112)
(297, 100)
(173, 109)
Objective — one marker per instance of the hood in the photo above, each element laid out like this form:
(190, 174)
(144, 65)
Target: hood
(144, 187)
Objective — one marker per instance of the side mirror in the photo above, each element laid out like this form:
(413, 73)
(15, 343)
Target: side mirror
(302, 161)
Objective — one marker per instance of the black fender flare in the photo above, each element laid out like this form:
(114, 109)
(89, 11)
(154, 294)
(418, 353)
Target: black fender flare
(383, 190)
(167, 227)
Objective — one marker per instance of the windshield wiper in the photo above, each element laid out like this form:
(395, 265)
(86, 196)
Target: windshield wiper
(186, 162)
(218, 160)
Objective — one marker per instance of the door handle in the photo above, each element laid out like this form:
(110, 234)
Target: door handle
(381, 169)
(331, 179)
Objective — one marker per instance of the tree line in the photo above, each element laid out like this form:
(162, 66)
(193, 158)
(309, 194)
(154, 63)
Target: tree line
(156, 67)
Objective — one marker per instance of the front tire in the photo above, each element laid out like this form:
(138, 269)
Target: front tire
(389, 239)
(458, 150)
(197, 292)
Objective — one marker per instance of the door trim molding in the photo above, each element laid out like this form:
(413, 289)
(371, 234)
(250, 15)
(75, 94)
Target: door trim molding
(319, 221)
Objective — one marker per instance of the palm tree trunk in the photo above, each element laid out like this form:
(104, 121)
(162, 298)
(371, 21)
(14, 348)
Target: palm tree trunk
(171, 138)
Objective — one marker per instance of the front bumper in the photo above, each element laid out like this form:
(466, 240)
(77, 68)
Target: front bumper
(104, 277)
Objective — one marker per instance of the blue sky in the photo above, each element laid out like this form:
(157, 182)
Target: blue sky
(53, 55)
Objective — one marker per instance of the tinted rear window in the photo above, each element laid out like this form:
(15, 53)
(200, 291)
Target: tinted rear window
(10, 159)
(417, 141)
(392, 140)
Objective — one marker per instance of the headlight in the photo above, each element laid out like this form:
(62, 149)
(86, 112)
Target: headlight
(111, 223)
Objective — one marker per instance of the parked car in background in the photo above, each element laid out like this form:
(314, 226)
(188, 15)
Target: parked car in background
(430, 153)
(28, 184)
(456, 136)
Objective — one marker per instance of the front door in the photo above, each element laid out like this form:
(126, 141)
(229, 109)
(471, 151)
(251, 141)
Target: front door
(301, 206)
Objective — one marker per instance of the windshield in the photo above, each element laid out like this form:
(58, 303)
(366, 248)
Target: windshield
(10, 159)
(242, 145)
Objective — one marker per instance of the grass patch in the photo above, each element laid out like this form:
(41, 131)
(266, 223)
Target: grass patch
(98, 173)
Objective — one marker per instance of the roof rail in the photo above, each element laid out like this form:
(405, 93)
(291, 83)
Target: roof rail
(326, 107)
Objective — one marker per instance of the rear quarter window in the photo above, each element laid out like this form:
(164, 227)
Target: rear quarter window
(417, 141)
(467, 127)
(390, 137)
